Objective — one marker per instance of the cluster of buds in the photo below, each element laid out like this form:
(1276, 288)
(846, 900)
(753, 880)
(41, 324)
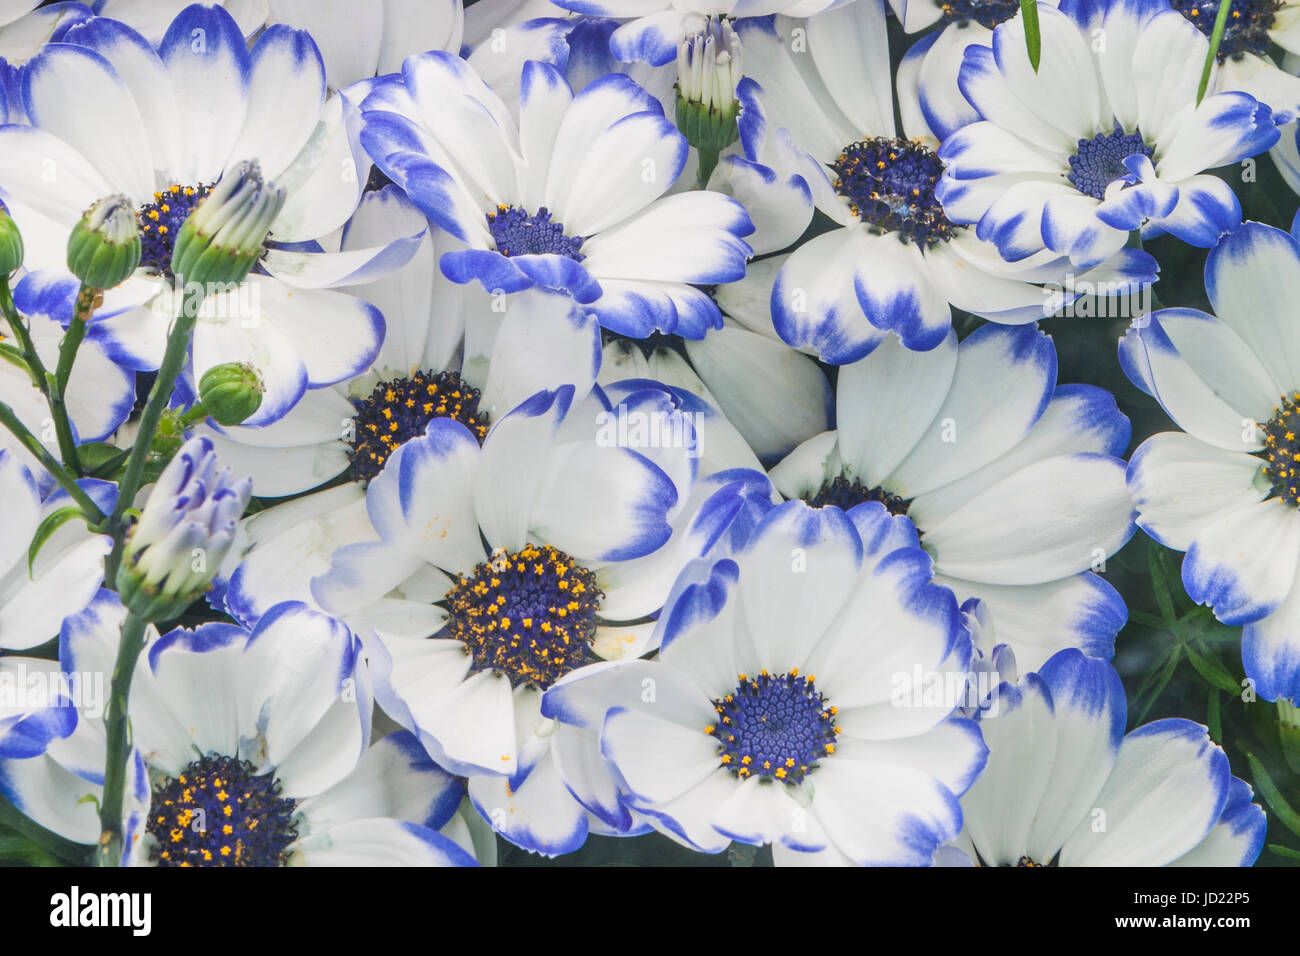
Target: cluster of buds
(184, 533)
(104, 248)
(222, 239)
(708, 69)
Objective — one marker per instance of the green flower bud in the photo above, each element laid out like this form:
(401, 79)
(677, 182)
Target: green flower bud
(708, 69)
(104, 247)
(223, 238)
(11, 244)
(230, 393)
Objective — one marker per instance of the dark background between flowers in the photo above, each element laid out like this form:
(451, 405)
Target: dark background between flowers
(1174, 658)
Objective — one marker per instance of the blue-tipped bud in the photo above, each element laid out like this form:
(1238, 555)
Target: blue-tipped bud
(223, 238)
(708, 69)
(184, 533)
(104, 248)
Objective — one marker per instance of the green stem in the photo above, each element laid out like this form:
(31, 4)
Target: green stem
(67, 852)
(109, 852)
(708, 163)
(1220, 24)
(178, 343)
(51, 464)
(34, 364)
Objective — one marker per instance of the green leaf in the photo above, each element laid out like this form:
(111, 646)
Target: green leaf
(60, 849)
(1212, 716)
(1214, 673)
(1272, 795)
(1160, 585)
(97, 454)
(52, 522)
(1157, 681)
(1284, 851)
(1220, 22)
(1033, 37)
(14, 357)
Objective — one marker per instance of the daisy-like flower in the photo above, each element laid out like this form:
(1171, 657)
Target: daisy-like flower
(38, 591)
(112, 114)
(150, 18)
(569, 197)
(1243, 60)
(818, 106)
(654, 28)
(1227, 488)
(1013, 482)
(498, 570)
(1065, 786)
(1104, 139)
(249, 750)
(773, 713)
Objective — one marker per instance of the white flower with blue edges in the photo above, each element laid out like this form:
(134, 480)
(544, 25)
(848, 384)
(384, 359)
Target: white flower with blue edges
(112, 114)
(1226, 489)
(27, 25)
(497, 570)
(1065, 786)
(65, 572)
(1104, 139)
(569, 197)
(773, 714)
(1013, 483)
(249, 750)
(817, 106)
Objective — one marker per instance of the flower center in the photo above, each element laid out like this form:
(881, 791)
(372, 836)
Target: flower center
(516, 233)
(889, 183)
(161, 221)
(1025, 861)
(530, 615)
(1099, 161)
(1282, 450)
(399, 410)
(987, 13)
(776, 727)
(845, 494)
(217, 812)
(1246, 30)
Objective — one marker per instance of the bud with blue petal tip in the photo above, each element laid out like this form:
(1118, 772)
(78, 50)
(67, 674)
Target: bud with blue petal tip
(708, 69)
(184, 533)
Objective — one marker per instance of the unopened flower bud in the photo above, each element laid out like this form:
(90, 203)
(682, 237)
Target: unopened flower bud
(230, 393)
(708, 70)
(104, 247)
(223, 238)
(11, 243)
(184, 532)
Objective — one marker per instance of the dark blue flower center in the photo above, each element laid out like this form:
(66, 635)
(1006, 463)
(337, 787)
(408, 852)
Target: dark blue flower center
(217, 812)
(889, 184)
(1099, 161)
(1246, 30)
(530, 615)
(399, 410)
(844, 494)
(518, 233)
(1282, 450)
(776, 727)
(161, 221)
(987, 13)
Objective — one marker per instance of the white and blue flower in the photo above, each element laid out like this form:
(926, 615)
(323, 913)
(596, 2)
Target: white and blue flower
(1226, 489)
(249, 750)
(818, 618)
(1107, 137)
(569, 197)
(1065, 786)
(1013, 483)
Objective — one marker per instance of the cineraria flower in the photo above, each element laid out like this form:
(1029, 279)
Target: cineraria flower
(772, 714)
(899, 262)
(500, 569)
(1105, 138)
(569, 197)
(26, 26)
(112, 115)
(249, 750)
(150, 18)
(1065, 786)
(1227, 491)
(655, 27)
(38, 591)
(1013, 483)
